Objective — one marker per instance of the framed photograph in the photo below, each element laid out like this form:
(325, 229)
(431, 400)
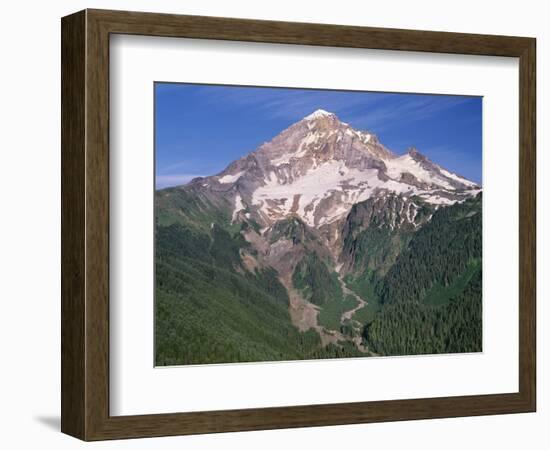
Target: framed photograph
(273, 225)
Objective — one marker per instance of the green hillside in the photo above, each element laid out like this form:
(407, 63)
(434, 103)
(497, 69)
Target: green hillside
(430, 299)
(317, 284)
(209, 310)
(422, 287)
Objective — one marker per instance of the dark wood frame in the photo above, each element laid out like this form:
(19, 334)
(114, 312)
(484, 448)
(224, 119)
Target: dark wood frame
(85, 224)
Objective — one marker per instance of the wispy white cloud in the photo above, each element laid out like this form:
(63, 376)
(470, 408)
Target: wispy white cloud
(409, 109)
(371, 110)
(171, 167)
(163, 181)
(287, 103)
(194, 164)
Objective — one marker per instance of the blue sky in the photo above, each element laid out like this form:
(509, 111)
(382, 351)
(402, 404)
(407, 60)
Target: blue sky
(200, 129)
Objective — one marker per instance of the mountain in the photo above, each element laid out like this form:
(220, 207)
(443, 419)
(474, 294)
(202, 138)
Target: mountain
(319, 167)
(314, 224)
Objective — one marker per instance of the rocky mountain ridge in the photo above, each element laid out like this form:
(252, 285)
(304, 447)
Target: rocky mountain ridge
(319, 167)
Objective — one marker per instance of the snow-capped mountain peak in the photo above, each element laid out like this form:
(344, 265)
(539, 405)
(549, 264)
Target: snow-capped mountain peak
(318, 114)
(319, 167)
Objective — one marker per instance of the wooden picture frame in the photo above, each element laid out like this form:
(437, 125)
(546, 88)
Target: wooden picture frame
(85, 224)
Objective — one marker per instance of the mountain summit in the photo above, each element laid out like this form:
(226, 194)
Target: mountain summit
(319, 113)
(319, 167)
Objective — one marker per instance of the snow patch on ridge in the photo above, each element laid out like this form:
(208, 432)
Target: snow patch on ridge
(230, 178)
(239, 206)
(457, 178)
(437, 199)
(283, 159)
(398, 166)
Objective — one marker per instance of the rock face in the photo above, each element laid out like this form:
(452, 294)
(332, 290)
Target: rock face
(318, 168)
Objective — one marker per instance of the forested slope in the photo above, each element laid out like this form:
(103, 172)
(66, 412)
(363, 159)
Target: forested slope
(430, 299)
(422, 284)
(210, 309)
